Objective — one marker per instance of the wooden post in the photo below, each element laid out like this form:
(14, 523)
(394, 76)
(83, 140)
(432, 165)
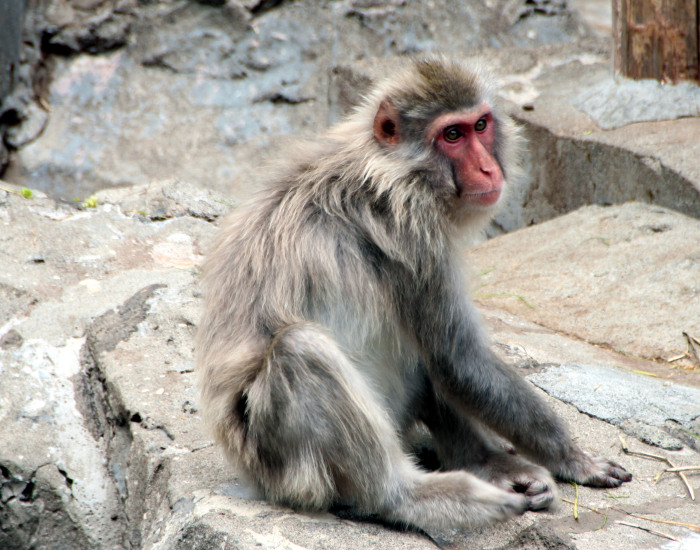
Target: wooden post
(657, 39)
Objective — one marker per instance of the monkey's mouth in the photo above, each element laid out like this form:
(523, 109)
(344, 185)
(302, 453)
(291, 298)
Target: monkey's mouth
(488, 197)
(482, 198)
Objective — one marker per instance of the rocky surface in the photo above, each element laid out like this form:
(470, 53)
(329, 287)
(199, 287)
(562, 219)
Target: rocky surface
(75, 285)
(158, 114)
(593, 273)
(11, 15)
(99, 411)
(201, 88)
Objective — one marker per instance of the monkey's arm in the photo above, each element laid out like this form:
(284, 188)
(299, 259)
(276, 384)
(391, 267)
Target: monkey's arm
(467, 373)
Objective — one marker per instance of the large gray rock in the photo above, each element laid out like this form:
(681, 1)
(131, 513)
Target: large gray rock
(576, 160)
(613, 103)
(624, 277)
(644, 407)
(101, 444)
(207, 91)
(66, 436)
(11, 14)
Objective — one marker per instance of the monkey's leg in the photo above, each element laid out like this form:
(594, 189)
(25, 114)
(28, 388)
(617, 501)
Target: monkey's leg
(462, 443)
(316, 435)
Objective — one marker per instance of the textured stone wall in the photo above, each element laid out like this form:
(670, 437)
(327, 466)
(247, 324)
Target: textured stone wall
(11, 13)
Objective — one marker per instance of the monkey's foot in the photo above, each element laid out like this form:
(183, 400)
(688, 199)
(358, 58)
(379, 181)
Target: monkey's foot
(445, 500)
(595, 471)
(516, 474)
(540, 493)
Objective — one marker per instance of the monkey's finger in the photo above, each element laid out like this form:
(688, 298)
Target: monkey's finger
(603, 479)
(606, 481)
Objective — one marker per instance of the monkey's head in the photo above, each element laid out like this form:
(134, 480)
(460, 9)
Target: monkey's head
(440, 120)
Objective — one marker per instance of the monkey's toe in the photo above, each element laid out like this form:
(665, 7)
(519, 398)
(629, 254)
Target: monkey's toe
(614, 477)
(603, 481)
(618, 472)
(542, 501)
(515, 505)
(539, 494)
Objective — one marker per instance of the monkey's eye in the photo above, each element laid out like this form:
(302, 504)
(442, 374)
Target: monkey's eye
(452, 133)
(480, 125)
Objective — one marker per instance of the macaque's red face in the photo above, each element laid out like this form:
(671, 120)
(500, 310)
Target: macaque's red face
(466, 139)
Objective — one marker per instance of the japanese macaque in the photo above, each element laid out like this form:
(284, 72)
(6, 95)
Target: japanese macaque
(337, 320)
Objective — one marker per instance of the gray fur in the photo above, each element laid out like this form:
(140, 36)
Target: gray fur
(336, 319)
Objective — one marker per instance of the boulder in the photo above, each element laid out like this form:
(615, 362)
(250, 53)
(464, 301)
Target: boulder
(101, 443)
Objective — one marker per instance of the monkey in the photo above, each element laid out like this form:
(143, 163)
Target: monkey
(337, 319)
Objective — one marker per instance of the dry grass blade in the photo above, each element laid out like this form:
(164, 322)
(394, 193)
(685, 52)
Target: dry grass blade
(682, 469)
(506, 295)
(629, 451)
(664, 521)
(575, 500)
(652, 531)
(591, 508)
(605, 521)
(638, 516)
(680, 474)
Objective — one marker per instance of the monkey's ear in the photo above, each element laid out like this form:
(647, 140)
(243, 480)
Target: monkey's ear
(386, 125)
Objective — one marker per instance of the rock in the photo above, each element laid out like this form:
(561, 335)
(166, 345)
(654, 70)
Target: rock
(652, 435)
(15, 302)
(11, 339)
(167, 199)
(207, 92)
(601, 274)
(639, 404)
(93, 27)
(76, 461)
(11, 14)
(615, 103)
(33, 122)
(102, 378)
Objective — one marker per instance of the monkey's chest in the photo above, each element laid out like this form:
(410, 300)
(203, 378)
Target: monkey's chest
(392, 370)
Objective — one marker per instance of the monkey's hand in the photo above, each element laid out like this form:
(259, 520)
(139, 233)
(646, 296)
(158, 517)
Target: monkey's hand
(516, 474)
(594, 471)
